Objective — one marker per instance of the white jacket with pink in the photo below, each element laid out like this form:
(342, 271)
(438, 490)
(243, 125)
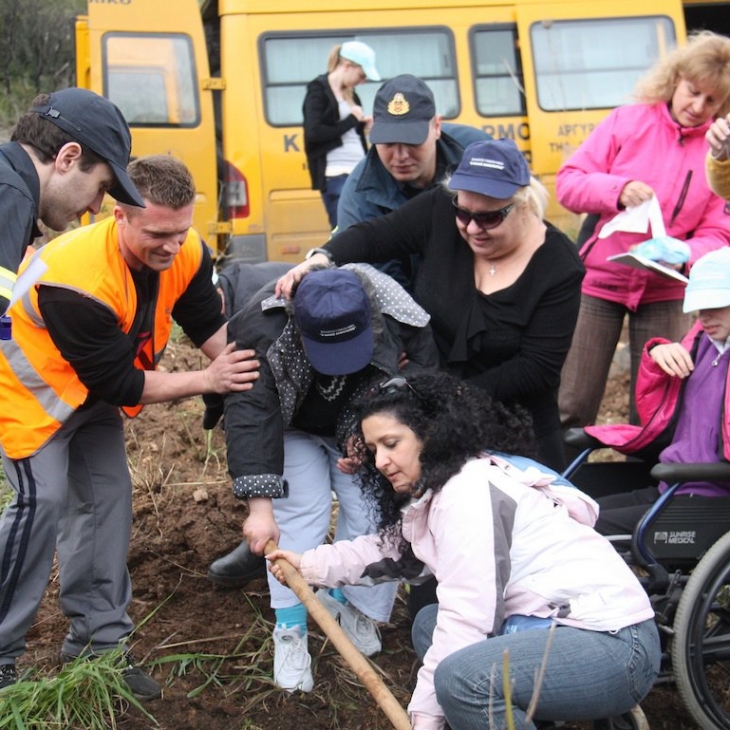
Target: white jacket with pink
(642, 142)
(500, 541)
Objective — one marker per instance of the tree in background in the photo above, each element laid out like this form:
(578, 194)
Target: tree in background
(37, 50)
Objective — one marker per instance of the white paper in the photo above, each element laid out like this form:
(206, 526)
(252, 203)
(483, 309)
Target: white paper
(637, 220)
(35, 269)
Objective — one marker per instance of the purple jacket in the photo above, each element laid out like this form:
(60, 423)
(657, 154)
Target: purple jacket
(657, 399)
(642, 142)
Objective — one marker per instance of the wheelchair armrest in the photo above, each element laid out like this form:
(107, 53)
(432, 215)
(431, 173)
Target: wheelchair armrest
(673, 473)
(579, 439)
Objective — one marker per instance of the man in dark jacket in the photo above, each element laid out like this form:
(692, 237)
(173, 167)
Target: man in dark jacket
(66, 152)
(285, 441)
(412, 151)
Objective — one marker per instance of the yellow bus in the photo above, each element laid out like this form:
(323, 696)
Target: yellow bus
(222, 87)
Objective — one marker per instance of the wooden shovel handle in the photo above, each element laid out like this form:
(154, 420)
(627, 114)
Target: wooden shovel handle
(355, 660)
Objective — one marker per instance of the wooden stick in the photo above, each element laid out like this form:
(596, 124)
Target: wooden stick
(356, 661)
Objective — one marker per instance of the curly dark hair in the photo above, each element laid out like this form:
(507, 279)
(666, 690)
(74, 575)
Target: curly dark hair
(454, 421)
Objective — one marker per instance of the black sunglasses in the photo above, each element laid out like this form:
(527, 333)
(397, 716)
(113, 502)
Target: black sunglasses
(486, 221)
(391, 386)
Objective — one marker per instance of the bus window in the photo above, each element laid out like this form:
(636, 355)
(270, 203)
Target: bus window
(497, 72)
(152, 79)
(290, 62)
(577, 65)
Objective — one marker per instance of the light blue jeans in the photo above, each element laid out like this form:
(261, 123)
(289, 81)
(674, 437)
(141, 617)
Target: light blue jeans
(310, 468)
(589, 675)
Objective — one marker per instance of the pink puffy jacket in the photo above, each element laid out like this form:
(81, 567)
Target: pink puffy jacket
(657, 397)
(642, 142)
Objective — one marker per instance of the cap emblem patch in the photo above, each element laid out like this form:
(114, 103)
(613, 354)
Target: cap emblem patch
(398, 105)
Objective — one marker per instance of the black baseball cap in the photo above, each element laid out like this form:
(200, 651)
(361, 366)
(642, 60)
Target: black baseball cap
(402, 111)
(96, 123)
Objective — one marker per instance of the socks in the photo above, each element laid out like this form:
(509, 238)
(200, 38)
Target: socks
(288, 618)
(338, 595)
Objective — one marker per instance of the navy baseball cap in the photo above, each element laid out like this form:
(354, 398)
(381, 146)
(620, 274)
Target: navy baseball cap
(495, 168)
(96, 123)
(332, 312)
(402, 111)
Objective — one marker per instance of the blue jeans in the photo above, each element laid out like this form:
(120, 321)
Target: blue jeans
(310, 468)
(331, 196)
(589, 674)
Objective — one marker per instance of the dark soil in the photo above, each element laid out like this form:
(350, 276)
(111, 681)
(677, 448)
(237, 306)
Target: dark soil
(211, 647)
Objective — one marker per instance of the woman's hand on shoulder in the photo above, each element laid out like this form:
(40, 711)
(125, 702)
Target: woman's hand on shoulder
(286, 285)
(673, 359)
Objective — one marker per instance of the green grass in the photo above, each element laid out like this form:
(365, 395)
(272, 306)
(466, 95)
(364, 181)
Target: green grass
(84, 694)
(6, 494)
(246, 669)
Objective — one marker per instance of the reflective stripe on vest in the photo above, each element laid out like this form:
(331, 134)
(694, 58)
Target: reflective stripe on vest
(56, 408)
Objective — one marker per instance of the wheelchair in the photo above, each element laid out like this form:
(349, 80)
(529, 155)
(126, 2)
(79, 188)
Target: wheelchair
(681, 551)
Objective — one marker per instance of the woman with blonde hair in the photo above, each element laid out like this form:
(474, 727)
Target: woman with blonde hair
(334, 121)
(655, 148)
(502, 286)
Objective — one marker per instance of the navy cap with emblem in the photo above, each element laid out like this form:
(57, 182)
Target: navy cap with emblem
(402, 111)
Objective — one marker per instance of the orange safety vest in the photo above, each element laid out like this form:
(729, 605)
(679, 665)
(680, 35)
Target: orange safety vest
(39, 390)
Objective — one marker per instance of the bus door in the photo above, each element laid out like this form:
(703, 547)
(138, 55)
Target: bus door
(152, 64)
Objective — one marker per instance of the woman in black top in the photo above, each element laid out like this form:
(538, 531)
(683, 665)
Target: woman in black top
(501, 285)
(334, 122)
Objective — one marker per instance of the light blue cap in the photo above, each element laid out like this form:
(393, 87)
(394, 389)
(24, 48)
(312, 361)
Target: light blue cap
(361, 54)
(709, 282)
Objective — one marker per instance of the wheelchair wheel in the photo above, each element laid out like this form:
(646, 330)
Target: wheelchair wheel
(701, 642)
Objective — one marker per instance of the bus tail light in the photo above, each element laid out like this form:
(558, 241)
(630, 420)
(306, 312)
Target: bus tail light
(236, 193)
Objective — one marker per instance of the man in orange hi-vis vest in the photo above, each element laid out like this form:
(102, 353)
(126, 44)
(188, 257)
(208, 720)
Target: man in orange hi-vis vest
(86, 340)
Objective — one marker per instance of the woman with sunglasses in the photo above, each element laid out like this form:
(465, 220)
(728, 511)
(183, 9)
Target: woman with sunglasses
(652, 149)
(514, 553)
(501, 285)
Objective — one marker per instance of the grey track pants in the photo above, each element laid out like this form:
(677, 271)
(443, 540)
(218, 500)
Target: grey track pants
(74, 496)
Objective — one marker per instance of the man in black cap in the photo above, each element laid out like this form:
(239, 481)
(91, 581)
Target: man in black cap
(68, 150)
(411, 151)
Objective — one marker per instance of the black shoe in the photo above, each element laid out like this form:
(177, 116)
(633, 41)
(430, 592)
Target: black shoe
(237, 568)
(143, 686)
(8, 675)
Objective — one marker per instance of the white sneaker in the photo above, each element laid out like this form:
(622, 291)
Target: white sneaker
(292, 663)
(361, 629)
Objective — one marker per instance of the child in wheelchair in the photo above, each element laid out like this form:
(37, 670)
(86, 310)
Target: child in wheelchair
(682, 398)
